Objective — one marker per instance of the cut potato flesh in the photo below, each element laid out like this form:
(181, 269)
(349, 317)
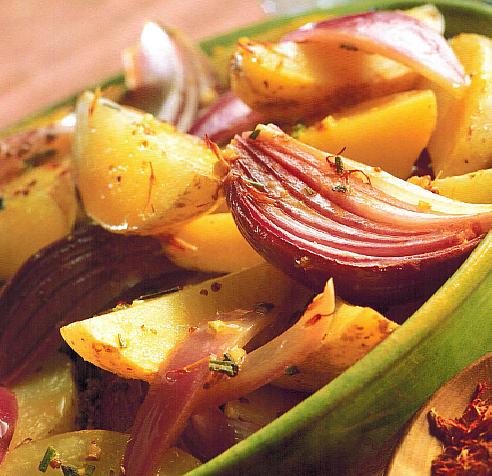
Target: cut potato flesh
(462, 141)
(47, 401)
(136, 174)
(211, 243)
(353, 332)
(133, 342)
(388, 132)
(475, 187)
(37, 208)
(75, 449)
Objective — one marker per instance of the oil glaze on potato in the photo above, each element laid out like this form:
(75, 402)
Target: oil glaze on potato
(132, 342)
(136, 174)
(37, 208)
(462, 141)
(388, 132)
(74, 448)
(47, 401)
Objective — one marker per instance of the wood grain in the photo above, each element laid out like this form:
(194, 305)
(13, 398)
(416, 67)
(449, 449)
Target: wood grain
(50, 49)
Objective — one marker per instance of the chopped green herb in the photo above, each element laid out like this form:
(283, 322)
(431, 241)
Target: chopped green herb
(348, 46)
(255, 134)
(122, 342)
(47, 458)
(339, 188)
(226, 366)
(89, 470)
(339, 164)
(70, 471)
(297, 130)
(292, 370)
(258, 185)
(1, 203)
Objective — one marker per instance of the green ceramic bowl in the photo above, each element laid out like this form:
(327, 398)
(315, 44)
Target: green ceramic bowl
(354, 419)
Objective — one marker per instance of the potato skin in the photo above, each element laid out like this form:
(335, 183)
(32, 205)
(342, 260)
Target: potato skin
(136, 174)
(38, 207)
(462, 140)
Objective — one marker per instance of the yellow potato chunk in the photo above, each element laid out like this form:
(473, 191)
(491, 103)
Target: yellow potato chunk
(37, 208)
(475, 187)
(74, 449)
(353, 332)
(134, 341)
(462, 141)
(47, 401)
(388, 132)
(290, 81)
(136, 174)
(211, 243)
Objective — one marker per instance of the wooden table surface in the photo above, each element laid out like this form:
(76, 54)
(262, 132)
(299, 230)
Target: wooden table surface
(50, 49)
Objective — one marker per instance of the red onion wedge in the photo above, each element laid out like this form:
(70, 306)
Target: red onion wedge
(8, 419)
(224, 118)
(168, 76)
(172, 399)
(394, 35)
(318, 216)
(70, 280)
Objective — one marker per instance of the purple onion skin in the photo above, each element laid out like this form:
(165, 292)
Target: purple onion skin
(224, 118)
(374, 280)
(70, 280)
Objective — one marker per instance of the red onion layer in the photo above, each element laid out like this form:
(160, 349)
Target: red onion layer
(8, 419)
(394, 35)
(315, 222)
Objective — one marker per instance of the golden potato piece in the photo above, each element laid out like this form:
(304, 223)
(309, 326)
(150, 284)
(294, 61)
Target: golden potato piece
(37, 208)
(353, 332)
(290, 81)
(47, 401)
(388, 132)
(475, 187)
(211, 243)
(136, 174)
(73, 450)
(132, 342)
(462, 141)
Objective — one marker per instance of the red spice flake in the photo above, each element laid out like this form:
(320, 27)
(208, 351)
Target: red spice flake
(467, 440)
(215, 286)
(55, 463)
(316, 318)
(204, 292)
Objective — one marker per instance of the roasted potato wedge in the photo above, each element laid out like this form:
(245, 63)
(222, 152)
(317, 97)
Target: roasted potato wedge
(211, 243)
(37, 208)
(353, 332)
(80, 449)
(132, 342)
(388, 132)
(475, 187)
(462, 140)
(47, 401)
(136, 174)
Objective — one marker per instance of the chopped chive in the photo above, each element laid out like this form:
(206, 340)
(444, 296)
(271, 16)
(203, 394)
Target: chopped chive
(339, 188)
(70, 471)
(89, 470)
(49, 455)
(258, 185)
(122, 342)
(226, 366)
(292, 370)
(297, 130)
(255, 134)
(339, 164)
